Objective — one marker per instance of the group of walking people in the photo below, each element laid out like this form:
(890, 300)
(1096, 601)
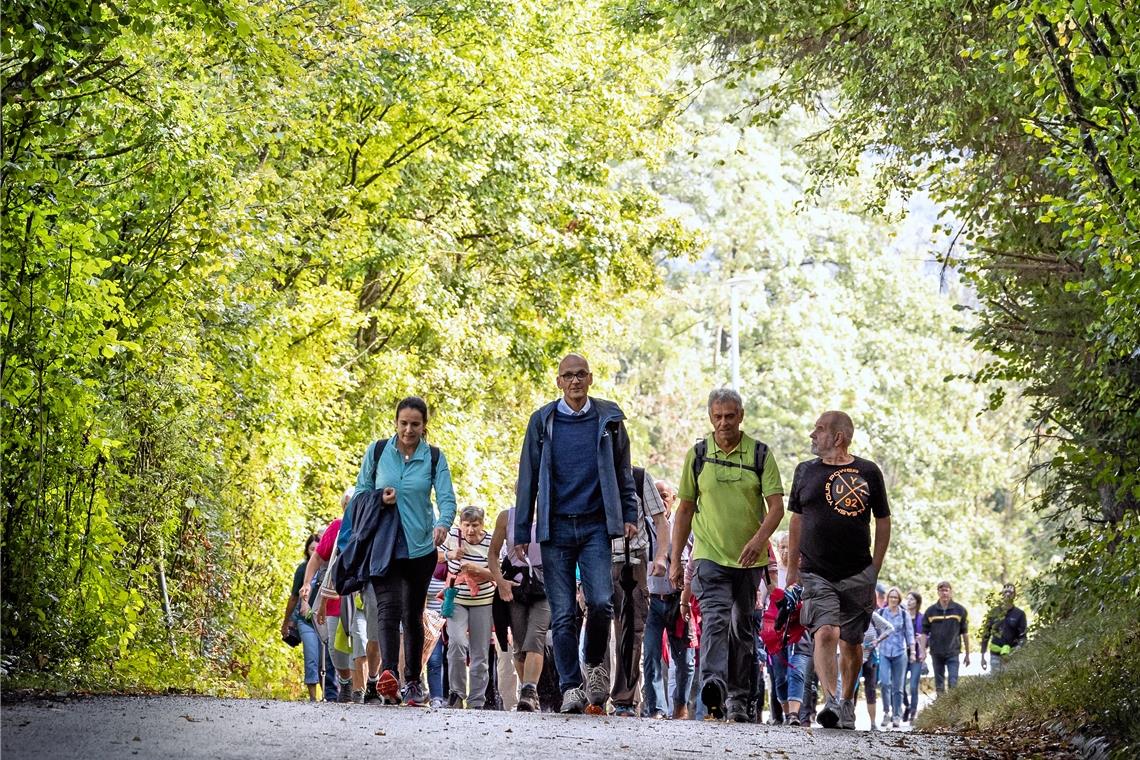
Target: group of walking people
(603, 590)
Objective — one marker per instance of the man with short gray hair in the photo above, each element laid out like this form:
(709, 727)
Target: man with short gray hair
(829, 539)
(731, 498)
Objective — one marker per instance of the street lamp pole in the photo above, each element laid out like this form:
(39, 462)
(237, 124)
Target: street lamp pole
(734, 304)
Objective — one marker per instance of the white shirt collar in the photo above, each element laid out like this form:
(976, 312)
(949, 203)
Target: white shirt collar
(565, 408)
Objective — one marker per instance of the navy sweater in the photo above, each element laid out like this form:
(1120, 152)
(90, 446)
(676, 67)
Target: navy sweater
(575, 488)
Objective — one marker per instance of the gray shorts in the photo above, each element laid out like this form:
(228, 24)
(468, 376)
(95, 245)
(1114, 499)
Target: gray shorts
(529, 623)
(358, 633)
(847, 603)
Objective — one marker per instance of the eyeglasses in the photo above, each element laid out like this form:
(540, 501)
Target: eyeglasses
(581, 374)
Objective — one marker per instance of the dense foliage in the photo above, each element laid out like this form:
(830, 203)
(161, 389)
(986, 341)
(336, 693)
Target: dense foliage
(1020, 117)
(234, 234)
(837, 309)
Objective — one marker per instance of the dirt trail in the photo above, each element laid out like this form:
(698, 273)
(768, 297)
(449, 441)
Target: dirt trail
(201, 727)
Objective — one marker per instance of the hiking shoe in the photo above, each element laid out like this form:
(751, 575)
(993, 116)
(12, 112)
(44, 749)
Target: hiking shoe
(413, 694)
(658, 715)
(597, 685)
(528, 700)
(344, 693)
(831, 713)
(737, 713)
(370, 693)
(712, 694)
(388, 687)
(895, 723)
(358, 696)
(792, 720)
(624, 711)
(886, 719)
(574, 701)
(455, 700)
(847, 714)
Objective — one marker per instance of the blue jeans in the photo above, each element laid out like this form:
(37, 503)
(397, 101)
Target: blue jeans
(892, 669)
(662, 618)
(582, 543)
(310, 648)
(332, 686)
(945, 671)
(435, 671)
(914, 675)
(798, 670)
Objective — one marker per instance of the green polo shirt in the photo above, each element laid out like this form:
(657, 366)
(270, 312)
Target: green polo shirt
(731, 504)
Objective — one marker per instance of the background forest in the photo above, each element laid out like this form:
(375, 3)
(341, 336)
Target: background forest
(236, 233)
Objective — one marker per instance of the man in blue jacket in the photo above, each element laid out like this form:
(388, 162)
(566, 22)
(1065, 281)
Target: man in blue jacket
(575, 479)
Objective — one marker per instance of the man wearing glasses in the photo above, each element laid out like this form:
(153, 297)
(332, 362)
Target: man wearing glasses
(732, 500)
(575, 482)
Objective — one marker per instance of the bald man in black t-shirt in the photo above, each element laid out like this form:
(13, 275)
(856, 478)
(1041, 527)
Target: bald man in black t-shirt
(829, 552)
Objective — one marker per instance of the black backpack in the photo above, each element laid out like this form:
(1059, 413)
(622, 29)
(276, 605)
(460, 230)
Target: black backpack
(701, 451)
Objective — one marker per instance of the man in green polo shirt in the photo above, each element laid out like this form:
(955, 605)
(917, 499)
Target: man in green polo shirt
(732, 508)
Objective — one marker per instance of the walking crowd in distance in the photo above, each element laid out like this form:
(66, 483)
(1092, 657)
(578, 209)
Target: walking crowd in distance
(602, 590)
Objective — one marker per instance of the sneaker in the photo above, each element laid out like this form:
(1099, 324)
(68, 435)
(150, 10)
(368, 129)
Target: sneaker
(528, 700)
(737, 712)
(413, 694)
(597, 685)
(370, 693)
(388, 687)
(344, 693)
(829, 716)
(455, 700)
(886, 719)
(895, 723)
(437, 703)
(358, 696)
(792, 720)
(712, 694)
(574, 701)
(624, 711)
(847, 714)
(657, 715)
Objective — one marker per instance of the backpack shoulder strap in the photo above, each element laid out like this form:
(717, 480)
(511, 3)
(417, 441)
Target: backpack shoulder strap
(377, 450)
(700, 453)
(760, 457)
(639, 481)
(434, 462)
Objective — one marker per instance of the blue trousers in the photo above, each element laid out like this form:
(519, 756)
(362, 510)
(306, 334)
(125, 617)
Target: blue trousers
(945, 671)
(435, 670)
(656, 624)
(892, 670)
(310, 648)
(582, 544)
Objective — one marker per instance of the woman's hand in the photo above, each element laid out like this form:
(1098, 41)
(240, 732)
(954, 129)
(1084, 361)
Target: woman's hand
(506, 589)
(285, 626)
(388, 496)
(439, 536)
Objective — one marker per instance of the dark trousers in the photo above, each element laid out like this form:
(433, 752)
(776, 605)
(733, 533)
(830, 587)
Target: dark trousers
(582, 544)
(630, 611)
(400, 599)
(945, 671)
(727, 596)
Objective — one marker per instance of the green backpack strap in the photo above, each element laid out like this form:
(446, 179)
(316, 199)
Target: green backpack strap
(700, 456)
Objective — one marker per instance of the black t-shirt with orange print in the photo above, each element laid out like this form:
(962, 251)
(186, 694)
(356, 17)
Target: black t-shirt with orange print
(835, 502)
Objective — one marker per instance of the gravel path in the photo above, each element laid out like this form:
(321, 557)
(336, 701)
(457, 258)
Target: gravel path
(201, 727)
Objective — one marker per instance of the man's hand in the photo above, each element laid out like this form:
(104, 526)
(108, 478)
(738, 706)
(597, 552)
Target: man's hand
(630, 531)
(520, 551)
(388, 496)
(439, 535)
(983, 658)
(659, 567)
(677, 575)
(752, 551)
(966, 662)
(506, 589)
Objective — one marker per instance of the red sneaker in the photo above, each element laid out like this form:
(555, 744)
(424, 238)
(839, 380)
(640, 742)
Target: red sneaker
(388, 687)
